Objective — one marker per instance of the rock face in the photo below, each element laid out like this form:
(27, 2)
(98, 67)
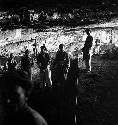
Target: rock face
(14, 41)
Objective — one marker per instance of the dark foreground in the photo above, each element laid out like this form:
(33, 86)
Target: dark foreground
(84, 99)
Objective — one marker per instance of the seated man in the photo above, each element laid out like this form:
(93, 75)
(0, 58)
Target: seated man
(15, 88)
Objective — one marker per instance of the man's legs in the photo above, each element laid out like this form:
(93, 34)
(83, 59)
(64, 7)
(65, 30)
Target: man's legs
(88, 64)
(48, 78)
(42, 78)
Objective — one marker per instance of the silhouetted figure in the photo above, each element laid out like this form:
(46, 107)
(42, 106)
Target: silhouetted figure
(45, 48)
(61, 63)
(11, 63)
(43, 61)
(16, 87)
(26, 63)
(86, 50)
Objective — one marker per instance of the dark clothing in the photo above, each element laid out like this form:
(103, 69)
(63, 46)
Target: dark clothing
(61, 64)
(11, 64)
(26, 116)
(43, 60)
(62, 58)
(86, 56)
(87, 47)
(25, 64)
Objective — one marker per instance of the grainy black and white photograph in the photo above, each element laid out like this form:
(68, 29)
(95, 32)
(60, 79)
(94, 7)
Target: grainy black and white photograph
(58, 62)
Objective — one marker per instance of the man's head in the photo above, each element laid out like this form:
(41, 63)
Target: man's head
(61, 46)
(87, 31)
(11, 55)
(42, 48)
(26, 52)
(15, 88)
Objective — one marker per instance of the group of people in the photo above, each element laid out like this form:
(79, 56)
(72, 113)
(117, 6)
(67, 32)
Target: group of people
(61, 62)
(44, 63)
(16, 85)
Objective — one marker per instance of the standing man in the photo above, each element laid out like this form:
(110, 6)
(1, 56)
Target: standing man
(87, 50)
(26, 63)
(43, 61)
(11, 63)
(62, 63)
